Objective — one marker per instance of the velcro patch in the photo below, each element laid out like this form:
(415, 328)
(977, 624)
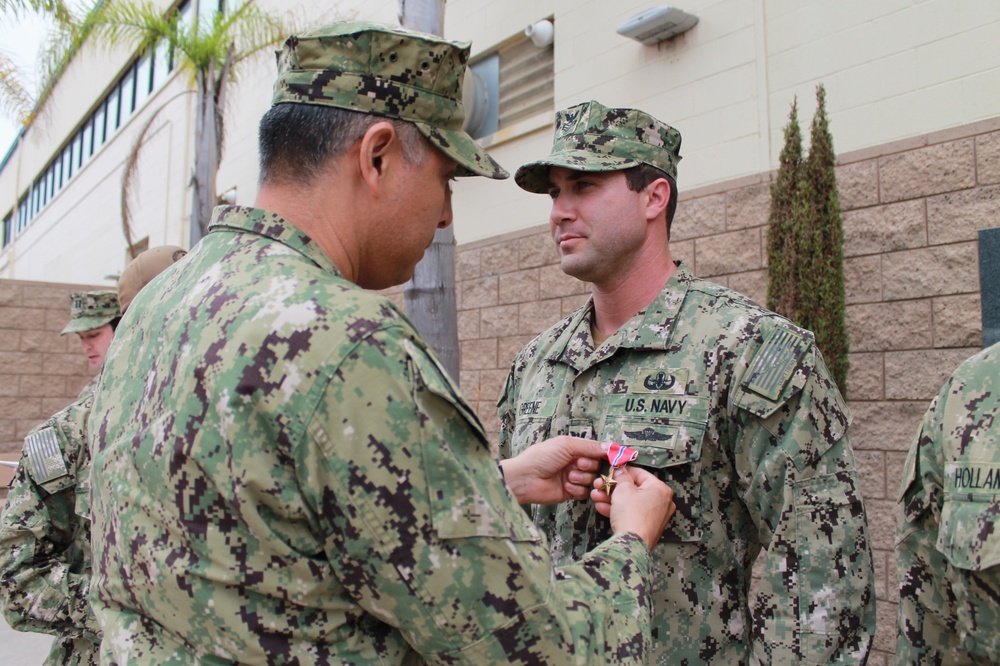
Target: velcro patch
(775, 362)
(45, 461)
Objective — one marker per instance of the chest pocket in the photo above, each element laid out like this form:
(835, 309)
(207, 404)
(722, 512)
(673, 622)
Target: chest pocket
(532, 423)
(671, 449)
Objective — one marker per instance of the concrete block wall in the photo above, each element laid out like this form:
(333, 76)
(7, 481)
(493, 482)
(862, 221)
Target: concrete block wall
(40, 371)
(911, 211)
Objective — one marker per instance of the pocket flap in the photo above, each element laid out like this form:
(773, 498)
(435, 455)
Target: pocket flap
(970, 533)
(660, 443)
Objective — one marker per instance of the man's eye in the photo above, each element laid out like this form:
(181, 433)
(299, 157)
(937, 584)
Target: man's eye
(553, 193)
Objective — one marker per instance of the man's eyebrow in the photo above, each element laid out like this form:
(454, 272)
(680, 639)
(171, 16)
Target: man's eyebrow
(577, 175)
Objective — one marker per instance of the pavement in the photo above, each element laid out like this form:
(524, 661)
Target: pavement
(19, 648)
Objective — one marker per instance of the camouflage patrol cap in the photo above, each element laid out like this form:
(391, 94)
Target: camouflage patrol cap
(592, 137)
(91, 309)
(146, 266)
(386, 71)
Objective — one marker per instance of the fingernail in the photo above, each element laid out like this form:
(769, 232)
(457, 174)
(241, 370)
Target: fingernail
(605, 446)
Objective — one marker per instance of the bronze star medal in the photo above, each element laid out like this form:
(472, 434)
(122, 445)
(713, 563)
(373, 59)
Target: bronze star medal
(618, 456)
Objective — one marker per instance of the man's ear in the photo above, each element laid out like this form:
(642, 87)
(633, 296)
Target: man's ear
(659, 196)
(374, 151)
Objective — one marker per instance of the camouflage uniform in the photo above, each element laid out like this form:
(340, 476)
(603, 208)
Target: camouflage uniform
(45, 528)
(733, 407)
(283, 474)
(45, 539)
(948, 542)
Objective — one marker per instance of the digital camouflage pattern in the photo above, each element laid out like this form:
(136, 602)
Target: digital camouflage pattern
(388, 71)
(45, 539)
(283, 474)
(948, 539)
(734, 409)
(592, 137)
(91, 309)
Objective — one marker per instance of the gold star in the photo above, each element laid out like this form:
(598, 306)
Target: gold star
(609, 482)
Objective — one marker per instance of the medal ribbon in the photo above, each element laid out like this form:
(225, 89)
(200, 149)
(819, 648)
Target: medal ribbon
(619, 454)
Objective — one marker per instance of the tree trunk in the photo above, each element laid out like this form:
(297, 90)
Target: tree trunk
(429, 296)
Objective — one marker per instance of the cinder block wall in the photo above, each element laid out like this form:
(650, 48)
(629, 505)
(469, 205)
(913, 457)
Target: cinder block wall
(40, 371)
(911, 211)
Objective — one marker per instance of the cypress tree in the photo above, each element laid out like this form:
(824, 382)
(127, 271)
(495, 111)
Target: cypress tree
(806, 238)
(782, 270)
(827, 307)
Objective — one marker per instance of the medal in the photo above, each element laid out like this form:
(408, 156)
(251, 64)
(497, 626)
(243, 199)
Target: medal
(618, 456)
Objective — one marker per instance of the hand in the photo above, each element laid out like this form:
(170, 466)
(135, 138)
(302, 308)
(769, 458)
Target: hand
(555, 470)
(641, 503)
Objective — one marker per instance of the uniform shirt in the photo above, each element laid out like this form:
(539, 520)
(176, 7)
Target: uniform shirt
(283, 474)
(948, 539)
(45, 539)
(734, 409)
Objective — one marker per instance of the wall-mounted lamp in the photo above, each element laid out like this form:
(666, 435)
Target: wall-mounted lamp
(657, 24)
(541, 33)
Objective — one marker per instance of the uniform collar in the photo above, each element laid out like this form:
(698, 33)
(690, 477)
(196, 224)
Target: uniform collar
(648, 329)
(273, 226)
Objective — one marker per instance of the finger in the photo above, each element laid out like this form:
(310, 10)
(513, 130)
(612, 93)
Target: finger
(584, 448)
(581, 478)
(577, 491)
(588, 464)
(602, 503)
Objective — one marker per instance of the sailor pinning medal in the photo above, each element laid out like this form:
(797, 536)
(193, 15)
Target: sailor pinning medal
(618, 456)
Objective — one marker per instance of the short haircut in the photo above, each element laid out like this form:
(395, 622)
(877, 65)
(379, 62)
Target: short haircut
(638, 177)
(296, 141)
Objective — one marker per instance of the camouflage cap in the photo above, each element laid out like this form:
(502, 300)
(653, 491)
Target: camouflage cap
(387, 71)
(592, 137)
(91, 309)
(146, 266)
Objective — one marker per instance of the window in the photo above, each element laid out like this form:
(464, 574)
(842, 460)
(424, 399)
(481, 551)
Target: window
(100, 135)
(8, 228)
(143, 78)
(512, 84)
(112, 112)
(127, 94)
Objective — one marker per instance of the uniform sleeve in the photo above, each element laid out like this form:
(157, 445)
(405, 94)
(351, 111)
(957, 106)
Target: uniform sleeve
(42, 589)
(816, 600)
(426, 538)
(927, 610)
(505, 414)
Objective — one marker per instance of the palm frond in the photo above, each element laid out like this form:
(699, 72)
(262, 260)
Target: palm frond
(15, 100)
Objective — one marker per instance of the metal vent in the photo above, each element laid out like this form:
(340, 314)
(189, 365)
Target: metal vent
(526, 81)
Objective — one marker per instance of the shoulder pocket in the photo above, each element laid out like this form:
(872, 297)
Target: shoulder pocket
(43, 461)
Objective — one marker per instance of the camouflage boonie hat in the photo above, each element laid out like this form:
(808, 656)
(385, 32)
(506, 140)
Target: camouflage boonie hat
(592, 137)
(141, 270)
(91, 309)
(386, 71)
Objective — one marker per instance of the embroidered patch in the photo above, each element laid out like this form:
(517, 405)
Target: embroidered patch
(45, 461)
(672, 381)
(972, 477)
(775, 362)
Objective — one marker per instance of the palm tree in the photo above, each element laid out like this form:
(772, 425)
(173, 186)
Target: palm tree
(15, 99)
(210, 52)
